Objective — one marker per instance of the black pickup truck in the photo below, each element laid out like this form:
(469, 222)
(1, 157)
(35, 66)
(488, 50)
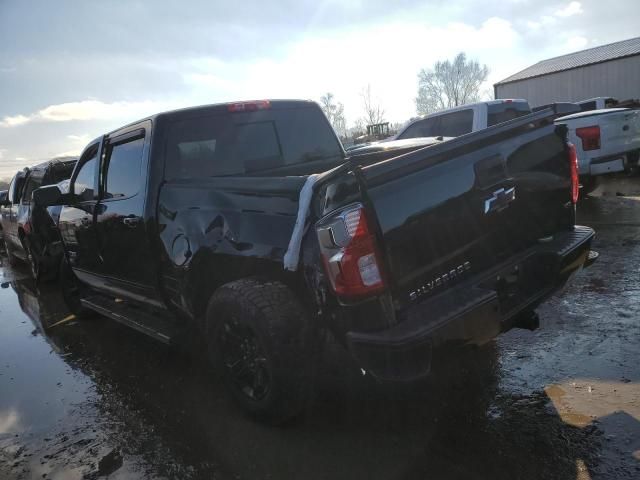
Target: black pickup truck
(30, 232)
(247, 222)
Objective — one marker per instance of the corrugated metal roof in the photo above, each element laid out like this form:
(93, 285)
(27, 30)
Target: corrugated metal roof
(603, 53)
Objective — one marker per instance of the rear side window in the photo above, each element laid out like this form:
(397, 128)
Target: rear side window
(447, 125)
(239, 143)
(503, 112)
(32, 184)
(456, 123)
(124, 161)
(587, 106)
(60, 173)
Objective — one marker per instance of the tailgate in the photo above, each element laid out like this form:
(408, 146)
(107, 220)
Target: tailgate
(620, 132)
(451, 211)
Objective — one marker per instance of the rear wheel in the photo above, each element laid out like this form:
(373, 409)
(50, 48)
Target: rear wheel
(588, 185)
(264, 343)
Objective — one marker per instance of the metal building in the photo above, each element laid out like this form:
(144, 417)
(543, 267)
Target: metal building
(611, 70)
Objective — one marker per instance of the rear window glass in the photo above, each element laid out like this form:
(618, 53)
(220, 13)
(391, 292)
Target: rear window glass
(447, 125)
(245, 142)
(503, 112)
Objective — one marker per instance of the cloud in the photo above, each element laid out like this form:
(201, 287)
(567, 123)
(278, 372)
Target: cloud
(573, 8)
(13, 121)
(87, 110)
(576, 43)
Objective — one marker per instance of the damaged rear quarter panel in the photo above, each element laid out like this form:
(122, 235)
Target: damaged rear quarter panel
(215, 230)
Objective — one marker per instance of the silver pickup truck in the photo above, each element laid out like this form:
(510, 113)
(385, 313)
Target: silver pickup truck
(607, 141)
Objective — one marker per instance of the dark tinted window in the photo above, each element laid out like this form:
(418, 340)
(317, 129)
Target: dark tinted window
(83, 185)
(587, 106)
(456, 123)
(246, 142)
(502, 112)
(447, 125)
(60, 173)
(123, 169)
(31, 185)
(421, 128)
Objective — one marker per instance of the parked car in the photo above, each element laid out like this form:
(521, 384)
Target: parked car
(457, 121)
(30, 232)
(607, 141)
(4, 201)
(246, 224)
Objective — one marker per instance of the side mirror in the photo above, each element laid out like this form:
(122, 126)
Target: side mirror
(4, 198)
(48, 196)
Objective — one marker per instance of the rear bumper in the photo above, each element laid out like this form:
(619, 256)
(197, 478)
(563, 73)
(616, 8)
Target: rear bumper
(472, 312)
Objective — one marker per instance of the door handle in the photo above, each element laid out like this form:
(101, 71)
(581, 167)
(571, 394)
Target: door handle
(131, 221)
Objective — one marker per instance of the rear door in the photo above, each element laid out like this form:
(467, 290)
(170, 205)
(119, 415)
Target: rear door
(128, 267)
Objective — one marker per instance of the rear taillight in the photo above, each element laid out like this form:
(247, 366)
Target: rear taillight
(590, 137)
(573, 167)
(350, 254)
(249, 106)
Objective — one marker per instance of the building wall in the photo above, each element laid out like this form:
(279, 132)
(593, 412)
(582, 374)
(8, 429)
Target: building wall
(619, 78)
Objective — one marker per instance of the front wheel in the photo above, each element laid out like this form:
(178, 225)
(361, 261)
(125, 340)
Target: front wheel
(72, 290)
(263, 340)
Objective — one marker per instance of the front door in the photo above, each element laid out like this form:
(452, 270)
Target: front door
(127, 264)
(76, 222)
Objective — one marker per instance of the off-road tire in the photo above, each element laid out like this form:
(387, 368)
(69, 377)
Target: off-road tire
(72, 290)
(286, 338)
(588, 185)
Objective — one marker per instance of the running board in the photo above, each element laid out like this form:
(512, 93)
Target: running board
(156, 325)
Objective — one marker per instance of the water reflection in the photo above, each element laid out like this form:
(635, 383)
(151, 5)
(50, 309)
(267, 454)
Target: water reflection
(167, 415)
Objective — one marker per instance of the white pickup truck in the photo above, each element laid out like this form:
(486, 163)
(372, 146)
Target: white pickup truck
(457, 121)
(606, 140)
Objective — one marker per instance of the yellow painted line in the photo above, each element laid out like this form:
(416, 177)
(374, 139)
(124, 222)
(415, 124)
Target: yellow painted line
(64, 320)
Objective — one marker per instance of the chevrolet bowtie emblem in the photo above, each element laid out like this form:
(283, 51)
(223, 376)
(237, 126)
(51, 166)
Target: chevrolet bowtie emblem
(499, 200)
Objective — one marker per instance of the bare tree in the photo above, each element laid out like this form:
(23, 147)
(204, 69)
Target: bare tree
(335, 113)
(373, 112)
(449, 84)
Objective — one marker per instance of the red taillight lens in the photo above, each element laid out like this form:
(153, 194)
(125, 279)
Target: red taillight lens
(351, 256)
(590, 137)
(573, 167)
(249, 106)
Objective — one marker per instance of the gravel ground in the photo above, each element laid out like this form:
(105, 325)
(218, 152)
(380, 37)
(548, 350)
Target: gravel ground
(92, 399)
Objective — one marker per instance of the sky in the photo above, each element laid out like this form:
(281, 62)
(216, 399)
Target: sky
(71, 70)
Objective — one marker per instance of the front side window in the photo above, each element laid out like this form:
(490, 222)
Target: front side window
(12, 189)
(124, 161)
(84, 182)
(422, 128)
